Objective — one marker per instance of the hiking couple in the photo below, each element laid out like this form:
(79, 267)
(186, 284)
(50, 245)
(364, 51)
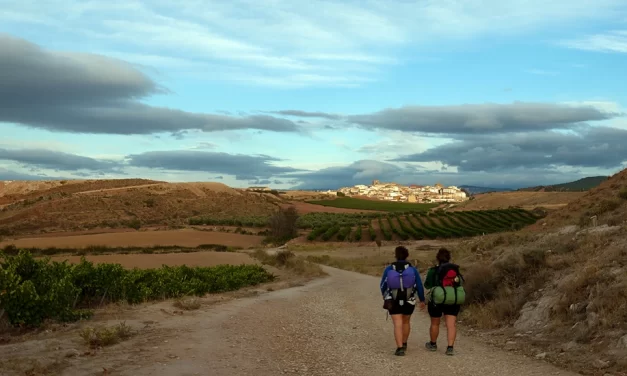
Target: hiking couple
(401, 284)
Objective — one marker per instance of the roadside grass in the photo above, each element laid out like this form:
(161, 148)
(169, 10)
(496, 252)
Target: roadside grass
(361, 204)
(96, 337)
(288, 260)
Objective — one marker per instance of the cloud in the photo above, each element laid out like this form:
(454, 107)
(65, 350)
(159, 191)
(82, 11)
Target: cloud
(57, 160)
(243, 167)
(299, 113)
(204, 146)
(332, 40)
(474, 118)
(364, 171)
(594, 147)
(480, 118)
(86, 93)
(359, 172)
(15, 175)
(611, 41)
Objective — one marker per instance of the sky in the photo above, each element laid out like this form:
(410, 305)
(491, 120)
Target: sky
(314, 94)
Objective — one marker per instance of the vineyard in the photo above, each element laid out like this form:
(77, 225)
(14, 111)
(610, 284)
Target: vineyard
(33, 290)
(378, 205)
(413, 225)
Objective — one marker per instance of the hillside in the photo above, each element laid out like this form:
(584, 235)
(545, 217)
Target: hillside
(556, 290)
(573, 186)
(80, 205)
(525, 200)
(476, 190)
(604, 201)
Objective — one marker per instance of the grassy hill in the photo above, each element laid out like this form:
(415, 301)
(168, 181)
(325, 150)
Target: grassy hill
(557, 287)
(580, 185)
(130, 203)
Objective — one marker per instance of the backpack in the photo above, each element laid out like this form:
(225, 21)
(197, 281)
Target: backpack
(401, 279)
(448, 289)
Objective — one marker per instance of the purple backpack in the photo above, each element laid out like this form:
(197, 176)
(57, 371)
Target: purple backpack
(401, 277)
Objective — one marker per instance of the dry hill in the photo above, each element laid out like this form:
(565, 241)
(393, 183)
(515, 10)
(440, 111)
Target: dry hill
(557, 292)
(80, 205)
(525, 200)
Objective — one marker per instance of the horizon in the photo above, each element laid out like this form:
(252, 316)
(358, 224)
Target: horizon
(296, 95)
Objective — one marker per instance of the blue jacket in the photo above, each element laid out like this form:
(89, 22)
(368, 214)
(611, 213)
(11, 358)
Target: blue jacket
(417, 286)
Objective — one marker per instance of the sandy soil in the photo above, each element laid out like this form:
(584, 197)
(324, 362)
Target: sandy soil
(184, 238)
(148, 261)
(332, 326)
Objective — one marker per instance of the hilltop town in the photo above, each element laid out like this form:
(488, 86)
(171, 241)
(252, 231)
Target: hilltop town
(411, 193)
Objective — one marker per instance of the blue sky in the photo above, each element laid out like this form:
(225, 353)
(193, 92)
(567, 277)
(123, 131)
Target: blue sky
(314, 93)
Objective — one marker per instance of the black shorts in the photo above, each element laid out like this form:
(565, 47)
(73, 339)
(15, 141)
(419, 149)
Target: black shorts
(405, 309)
(441, 309)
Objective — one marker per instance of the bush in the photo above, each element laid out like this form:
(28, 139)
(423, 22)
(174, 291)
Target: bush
(101, 337)
(288, 260)
(481, 284)
(623, 194)
(188, 304)
(283, 224)
(34, 290)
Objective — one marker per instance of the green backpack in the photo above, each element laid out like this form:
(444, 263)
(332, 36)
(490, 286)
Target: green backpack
(448, 289)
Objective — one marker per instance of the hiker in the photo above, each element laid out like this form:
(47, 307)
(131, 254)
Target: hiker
(400, 284)
(442, 280)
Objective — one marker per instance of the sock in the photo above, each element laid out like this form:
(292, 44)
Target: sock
(433, 343)
(405, 344)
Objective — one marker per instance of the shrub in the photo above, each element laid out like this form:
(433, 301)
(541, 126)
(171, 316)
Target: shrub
(344, 233)
(623, 194)
(188, 304)
(330, 232)
(357, 236)
(481, 284)
(605, 206)
(101, 337)
(288, 260)
(283, 224)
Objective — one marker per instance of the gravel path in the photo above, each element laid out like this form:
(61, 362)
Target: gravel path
(332, 326)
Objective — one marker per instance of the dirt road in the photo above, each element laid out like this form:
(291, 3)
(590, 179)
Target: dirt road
(332, 326)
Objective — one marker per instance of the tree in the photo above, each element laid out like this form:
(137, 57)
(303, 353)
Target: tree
(341, 194)
(283, 225)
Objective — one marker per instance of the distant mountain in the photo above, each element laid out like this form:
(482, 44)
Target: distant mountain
(580, 185)
(473, 190)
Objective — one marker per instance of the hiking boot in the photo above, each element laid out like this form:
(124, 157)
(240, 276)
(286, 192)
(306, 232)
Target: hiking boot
(450, 351)
(431, 346)
(400, 352)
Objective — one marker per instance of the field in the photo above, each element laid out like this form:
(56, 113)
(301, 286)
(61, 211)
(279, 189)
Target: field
(525, 200)
(413, 225)
(185, 238)
(150, 261)
(362, 204)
